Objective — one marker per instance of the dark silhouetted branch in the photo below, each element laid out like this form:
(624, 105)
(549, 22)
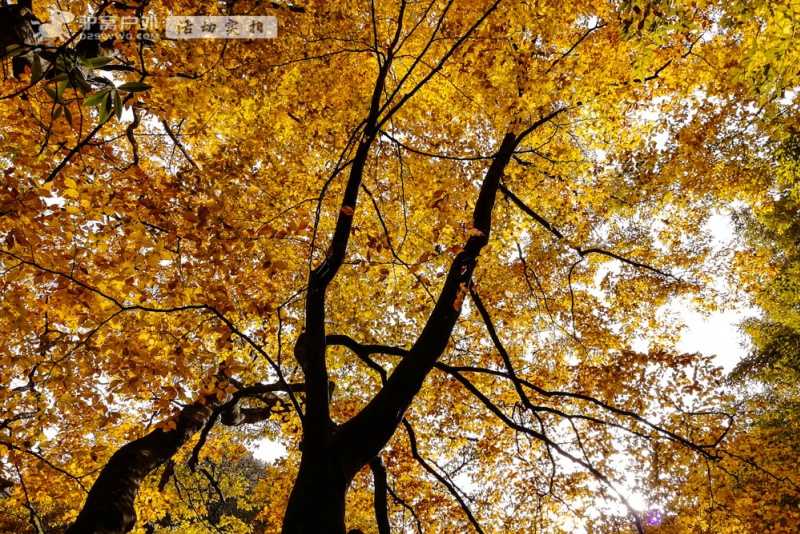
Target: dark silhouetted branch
(381, 488)
(438, 476)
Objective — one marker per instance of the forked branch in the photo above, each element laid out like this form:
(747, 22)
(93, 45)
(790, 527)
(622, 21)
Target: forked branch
(109, 507)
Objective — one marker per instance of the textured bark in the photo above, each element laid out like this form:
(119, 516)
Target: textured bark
(17, 23)
(109, 507)
(317, 504)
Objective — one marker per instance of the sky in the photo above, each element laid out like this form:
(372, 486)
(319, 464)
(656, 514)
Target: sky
(716, 335)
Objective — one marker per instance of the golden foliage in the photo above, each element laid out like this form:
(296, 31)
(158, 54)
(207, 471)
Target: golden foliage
(164, 220)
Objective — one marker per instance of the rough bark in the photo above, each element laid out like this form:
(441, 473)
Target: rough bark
(109, 507)
(17, 23)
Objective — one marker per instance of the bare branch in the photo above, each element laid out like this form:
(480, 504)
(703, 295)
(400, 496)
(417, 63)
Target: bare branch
(581, 251)
(178, 143)
(442, 480)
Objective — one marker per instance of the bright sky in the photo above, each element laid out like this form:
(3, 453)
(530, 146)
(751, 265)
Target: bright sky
(718, 335)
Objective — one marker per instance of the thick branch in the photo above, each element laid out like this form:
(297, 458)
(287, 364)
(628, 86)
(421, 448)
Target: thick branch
(381, 488)
(232, 414)
(362, 438)
(109, 507)
(317, 418)
(365, 351)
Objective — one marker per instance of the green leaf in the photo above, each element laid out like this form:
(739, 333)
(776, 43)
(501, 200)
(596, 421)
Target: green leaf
(36, 70)
(67, 115)
(63, 63)
(96, 98)
(134, 87)
(57, 112)
(106, 109)
(14, 50)
(60, 89)
(117, 105)
(51, 93)
(96, 62)
(104, 113)
(82, 85)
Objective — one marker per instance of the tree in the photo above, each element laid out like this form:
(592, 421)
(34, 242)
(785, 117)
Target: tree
(768, 376)
(773, 232)
(416, 243)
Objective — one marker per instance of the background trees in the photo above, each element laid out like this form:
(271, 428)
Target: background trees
(480, 206)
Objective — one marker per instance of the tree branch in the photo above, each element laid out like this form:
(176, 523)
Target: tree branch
(381, 488)
(581, 251)
(541, 436)
(442, 480)
(178, 143)
(109, 507)
(364, 351)
(363, 436)
(232, 414)
(316, 423)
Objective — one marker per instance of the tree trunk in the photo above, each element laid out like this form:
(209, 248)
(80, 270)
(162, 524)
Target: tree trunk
(317, 502)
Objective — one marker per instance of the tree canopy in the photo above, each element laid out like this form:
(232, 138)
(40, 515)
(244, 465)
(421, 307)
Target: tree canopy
(432, 248)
